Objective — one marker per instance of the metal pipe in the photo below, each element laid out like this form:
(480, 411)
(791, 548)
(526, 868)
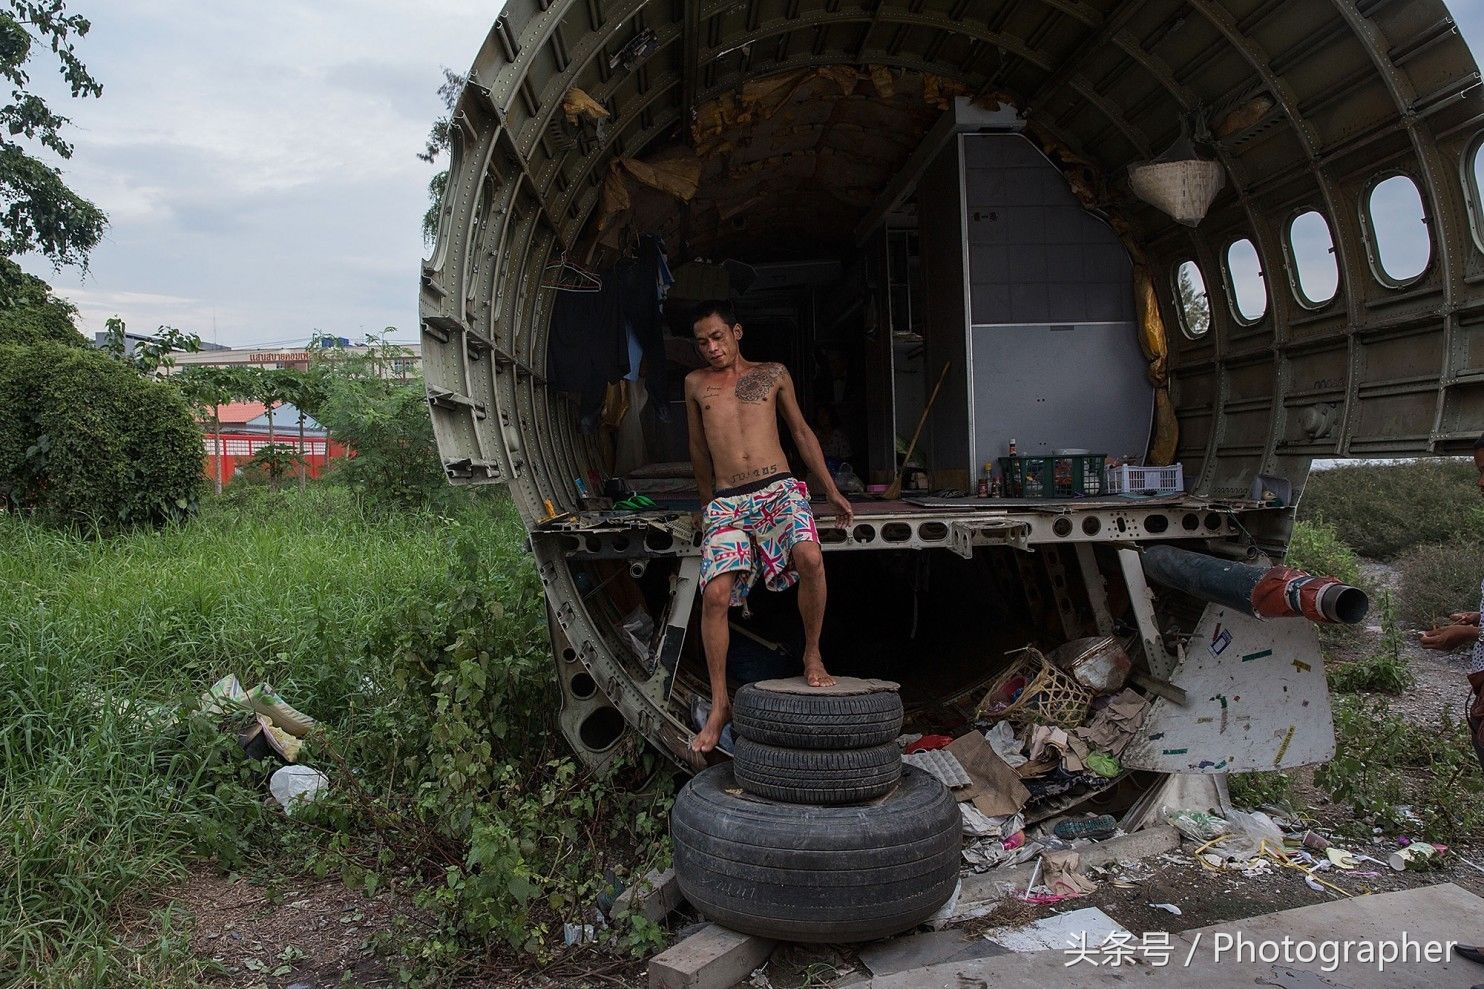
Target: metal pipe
(1263, 592)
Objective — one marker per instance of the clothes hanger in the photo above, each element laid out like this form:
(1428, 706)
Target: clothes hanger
(566, 276)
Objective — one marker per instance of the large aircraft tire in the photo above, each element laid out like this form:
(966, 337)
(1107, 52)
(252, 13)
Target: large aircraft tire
(817, 721)
(816, 776)
(801, 872)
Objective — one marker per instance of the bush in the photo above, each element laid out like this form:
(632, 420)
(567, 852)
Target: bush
(1317, 548)
(1436, 581)
(1381, 510)
(1403, 776)
(85, 440)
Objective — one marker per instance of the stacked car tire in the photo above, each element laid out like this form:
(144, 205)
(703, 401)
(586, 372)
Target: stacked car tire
(816, 831)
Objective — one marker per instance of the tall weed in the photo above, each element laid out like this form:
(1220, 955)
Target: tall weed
(1438, 580)
(389, 628)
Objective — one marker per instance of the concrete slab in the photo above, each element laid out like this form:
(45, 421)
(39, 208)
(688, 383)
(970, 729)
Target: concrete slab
(654, 896)
(910, 951)
(1438, 914)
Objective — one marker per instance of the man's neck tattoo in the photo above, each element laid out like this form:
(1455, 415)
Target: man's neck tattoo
(757, 385)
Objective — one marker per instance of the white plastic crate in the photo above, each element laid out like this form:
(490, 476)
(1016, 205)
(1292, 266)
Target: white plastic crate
(1146, 480)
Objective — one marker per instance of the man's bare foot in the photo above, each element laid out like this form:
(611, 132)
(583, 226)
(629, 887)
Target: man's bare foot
(710, 732)
(816, 674)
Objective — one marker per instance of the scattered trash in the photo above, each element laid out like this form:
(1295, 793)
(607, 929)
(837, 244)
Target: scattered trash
(267, 701)
(1009, 748)
(929, 743)
(1114, 725)
(296, 786)
(1098, 662)
(1050, 746)
(265, 738)
(1416, 857)
(977, 824)
(995, 788)
(1198, 825)
(1340, 858)
(227, 695)
(1103, 764)
(1091, 827)
(575, 934)
(1168, 908)
(1315, 840)
(1064, 874)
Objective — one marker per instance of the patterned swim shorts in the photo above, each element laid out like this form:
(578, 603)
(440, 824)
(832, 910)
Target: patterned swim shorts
(755, 531)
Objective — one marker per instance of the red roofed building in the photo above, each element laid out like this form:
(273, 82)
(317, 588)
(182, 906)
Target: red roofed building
(244, 430)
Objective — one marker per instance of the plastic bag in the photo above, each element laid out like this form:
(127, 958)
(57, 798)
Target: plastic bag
(1198, 825)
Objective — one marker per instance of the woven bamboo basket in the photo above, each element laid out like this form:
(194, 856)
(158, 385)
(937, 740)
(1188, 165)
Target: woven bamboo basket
(1033, 691)
(1183, 189)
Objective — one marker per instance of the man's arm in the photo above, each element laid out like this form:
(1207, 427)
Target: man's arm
(700, 454)
(808, 444)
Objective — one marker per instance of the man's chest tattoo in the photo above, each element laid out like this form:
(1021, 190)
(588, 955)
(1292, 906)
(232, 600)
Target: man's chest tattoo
(757, 385)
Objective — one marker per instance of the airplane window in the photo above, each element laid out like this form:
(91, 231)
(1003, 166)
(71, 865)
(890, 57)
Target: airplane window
(1473, 186)
(1191, 301)
(1398, 229)
(1248, 292)
(1313, 252)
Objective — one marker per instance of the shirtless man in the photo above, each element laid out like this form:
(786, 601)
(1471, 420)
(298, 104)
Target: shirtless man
(758, 523)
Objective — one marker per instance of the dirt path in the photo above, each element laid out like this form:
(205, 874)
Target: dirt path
(1440, 685)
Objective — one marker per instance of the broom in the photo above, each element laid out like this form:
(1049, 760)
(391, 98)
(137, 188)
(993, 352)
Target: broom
(894, 490)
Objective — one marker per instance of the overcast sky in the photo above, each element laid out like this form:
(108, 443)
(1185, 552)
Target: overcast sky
(257, 161)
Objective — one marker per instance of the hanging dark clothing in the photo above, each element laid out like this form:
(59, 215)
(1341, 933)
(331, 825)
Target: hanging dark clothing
(644, 280)
(587, 347)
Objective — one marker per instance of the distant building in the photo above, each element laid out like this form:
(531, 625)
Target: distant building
(245, 429)
(133, 340)
(404, 367)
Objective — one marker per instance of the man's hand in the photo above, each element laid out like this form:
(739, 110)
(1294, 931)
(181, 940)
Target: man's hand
(1464, 618)
(843, 512)
(1450, 637)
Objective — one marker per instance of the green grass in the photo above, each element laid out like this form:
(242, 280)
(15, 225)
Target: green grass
(108, 789)
(1382, 510)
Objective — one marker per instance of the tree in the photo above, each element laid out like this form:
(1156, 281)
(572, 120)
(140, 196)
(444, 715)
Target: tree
(206, 387)
(30, 313)
(306, 391)
(440, 139)
(385, 422)
(38, 212)
(150, 354)
(1195, 306)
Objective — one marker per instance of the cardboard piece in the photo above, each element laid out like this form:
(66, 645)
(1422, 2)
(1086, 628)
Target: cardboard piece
(842, 687)
(996, 789)
(1113, 727)
(1052, 745)
(1063, 875)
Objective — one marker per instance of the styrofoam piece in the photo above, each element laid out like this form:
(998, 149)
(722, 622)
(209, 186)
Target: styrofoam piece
(941, 764)
(1088, 927)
